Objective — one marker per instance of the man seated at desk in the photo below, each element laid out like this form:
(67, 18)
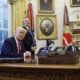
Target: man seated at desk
(13, 47)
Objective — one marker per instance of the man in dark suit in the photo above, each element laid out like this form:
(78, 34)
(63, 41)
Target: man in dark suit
(13, 47)
(29, 41)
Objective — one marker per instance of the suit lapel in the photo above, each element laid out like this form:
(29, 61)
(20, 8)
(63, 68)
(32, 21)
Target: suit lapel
(15, 44)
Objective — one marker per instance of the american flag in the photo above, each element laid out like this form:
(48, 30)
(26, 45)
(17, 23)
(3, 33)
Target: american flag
(30, 15)
(66, 17)
(67, 37)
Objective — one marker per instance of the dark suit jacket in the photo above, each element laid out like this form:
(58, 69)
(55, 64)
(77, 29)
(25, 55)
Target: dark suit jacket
(29, 41)
(9, 48)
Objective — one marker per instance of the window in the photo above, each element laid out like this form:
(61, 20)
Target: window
(3, 21)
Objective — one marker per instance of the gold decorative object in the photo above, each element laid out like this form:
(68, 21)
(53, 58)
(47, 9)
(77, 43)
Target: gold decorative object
(12, 1)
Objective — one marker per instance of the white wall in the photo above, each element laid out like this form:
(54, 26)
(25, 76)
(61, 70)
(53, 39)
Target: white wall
(73, 11)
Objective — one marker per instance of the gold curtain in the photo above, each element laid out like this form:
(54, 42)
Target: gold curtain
(19, 9)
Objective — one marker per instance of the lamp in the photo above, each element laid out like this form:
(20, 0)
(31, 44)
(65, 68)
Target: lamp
(12, 1)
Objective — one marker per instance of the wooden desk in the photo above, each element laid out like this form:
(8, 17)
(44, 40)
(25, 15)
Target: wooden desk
(23, 71)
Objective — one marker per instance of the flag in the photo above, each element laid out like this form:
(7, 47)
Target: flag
(66, 17)
(30, 16)
(67, 37)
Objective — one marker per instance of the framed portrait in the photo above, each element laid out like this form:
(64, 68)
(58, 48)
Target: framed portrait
(75, 3)
(46, 27)
(45, 6)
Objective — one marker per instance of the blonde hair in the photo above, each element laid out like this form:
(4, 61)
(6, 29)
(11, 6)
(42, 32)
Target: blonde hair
(20, 29)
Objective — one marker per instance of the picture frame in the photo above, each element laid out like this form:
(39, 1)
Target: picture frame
(75, 3)
(46, 6)
(46, 27)
(75, 27)
(78, 44)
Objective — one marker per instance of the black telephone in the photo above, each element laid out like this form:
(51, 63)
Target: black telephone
(44, 51)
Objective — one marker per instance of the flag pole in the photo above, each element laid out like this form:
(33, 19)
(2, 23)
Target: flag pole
(67, 37)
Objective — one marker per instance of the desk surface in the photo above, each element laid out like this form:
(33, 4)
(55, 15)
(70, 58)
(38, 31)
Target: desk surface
(40, 66)
(24, 65)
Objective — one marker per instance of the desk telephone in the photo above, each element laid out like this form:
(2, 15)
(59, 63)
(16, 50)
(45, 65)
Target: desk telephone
(44, 51)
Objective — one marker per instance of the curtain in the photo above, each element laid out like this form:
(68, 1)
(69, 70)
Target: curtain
(19, 13)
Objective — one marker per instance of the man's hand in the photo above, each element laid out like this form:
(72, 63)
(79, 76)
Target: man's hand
(27, 54)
